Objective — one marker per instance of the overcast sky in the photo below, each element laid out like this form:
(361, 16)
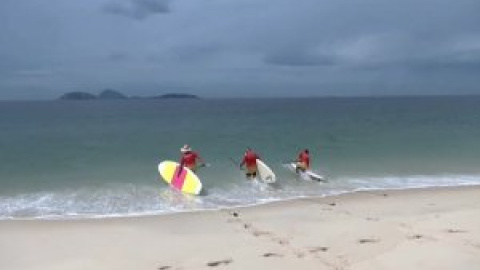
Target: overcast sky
(239, 48)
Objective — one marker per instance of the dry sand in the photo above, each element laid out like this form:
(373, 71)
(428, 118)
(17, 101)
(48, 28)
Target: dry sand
(415, 229)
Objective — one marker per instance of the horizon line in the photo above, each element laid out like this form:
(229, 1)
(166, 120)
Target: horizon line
(267, 97)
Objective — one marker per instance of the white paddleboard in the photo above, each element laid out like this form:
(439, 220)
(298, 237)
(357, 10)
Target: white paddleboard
(306, 175)
(265, 173)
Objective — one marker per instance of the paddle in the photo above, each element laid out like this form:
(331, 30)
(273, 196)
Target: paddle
(289, 162)
(235, 163)
(203, 165)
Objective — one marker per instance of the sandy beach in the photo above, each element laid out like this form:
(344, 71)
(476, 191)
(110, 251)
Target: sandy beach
(411, 229)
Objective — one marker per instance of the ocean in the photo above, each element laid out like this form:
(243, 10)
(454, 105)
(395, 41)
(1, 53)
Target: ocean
(96, 159)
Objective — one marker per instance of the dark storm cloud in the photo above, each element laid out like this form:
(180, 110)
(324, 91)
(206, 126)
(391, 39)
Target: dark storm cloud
(137, 9)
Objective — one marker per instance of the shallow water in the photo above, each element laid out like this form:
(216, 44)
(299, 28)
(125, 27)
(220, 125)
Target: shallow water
(97, 158)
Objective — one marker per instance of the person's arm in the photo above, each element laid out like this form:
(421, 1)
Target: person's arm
(242, 163)
(200, 159)
(182, 162)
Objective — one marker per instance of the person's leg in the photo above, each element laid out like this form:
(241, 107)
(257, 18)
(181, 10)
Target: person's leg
(252, 172)
(300, 167)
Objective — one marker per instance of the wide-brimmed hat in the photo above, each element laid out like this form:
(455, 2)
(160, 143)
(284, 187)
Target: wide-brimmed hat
(185, 148)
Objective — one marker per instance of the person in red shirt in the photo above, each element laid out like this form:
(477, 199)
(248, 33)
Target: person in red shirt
(250, 162)
(189, 158)
(303, 161)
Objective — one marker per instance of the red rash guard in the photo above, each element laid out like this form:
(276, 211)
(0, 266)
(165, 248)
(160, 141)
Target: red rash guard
(250, 159)
(189, 159)
(304, 158)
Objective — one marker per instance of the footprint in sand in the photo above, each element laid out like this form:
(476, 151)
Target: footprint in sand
(281, 241)
(260, 233)
(255, 232)
(456, 231)
(318, 249)
(472, 244)
(415, 236)
(271, 254)
(217, 263)
(368, 241)
(235, 217)
(299, 254)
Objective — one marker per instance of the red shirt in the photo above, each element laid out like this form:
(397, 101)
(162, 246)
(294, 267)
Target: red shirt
(250, 159)
(304, 158)
(189, 159)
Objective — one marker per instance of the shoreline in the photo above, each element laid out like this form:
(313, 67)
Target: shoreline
(233, 208)
(428, 228)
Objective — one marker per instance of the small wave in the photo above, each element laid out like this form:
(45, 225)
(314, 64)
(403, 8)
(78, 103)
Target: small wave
(139, 200)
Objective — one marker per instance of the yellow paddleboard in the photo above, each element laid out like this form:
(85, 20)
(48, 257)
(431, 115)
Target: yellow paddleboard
(182, 179)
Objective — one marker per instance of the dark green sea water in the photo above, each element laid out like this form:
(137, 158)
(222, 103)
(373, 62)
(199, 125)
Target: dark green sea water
(99, 158)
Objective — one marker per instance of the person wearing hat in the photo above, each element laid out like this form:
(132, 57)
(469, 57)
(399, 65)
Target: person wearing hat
(189, 158)
(250, 162)
(303, 161)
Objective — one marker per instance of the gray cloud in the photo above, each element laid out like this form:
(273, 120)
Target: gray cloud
(218, 47)
(459, 61)
(187, 54)
(137, 9)
(118, 57)
(299, 59)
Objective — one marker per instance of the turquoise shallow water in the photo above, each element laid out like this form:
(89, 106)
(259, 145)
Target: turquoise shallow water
(63, 159)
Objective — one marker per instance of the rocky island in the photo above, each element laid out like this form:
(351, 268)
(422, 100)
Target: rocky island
(109, 94)
(175, 95)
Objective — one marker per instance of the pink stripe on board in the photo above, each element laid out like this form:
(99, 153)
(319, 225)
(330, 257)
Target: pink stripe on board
(179, 180)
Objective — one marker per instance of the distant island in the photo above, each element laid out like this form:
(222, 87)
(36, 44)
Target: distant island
(109, 94)
(78, 96)
(175, 95)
